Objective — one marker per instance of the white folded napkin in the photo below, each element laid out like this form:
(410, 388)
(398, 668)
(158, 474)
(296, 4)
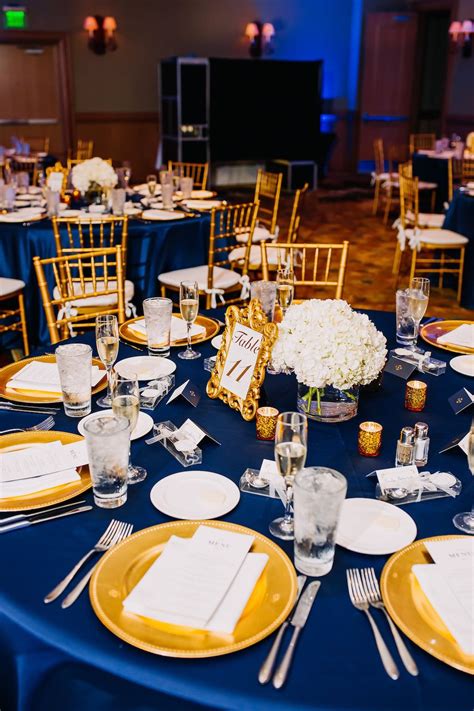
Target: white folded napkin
(178, 328)
(460, 336)
(44, 377)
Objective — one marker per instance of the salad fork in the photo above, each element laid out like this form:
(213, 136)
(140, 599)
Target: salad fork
(354, 585)
(43, 426)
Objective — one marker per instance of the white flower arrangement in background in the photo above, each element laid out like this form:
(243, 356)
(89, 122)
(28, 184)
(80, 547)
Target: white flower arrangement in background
(325, 342)
(93, 174)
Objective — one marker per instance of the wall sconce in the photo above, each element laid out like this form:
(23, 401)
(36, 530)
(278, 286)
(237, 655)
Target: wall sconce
(260, 37)
(101, 33)
(461, 34)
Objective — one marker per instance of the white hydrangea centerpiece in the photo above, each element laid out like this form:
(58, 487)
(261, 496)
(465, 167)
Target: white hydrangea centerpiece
(94, 174)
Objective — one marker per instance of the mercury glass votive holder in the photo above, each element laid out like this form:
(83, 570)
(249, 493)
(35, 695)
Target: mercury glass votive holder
(266, 422)
(415, 395)
(370, 439)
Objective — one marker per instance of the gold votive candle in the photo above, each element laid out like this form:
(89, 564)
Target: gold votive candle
(266, 422)
(370, 439)
(415, 395)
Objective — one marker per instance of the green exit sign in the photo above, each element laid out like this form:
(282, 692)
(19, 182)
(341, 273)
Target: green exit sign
(14, 17)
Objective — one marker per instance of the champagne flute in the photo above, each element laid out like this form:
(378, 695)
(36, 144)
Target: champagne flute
(151, 182)
(285, 288)
(418, 296)
(107, 342)
(126, 403)
(465, 521)
(291, 441)
(189, 307)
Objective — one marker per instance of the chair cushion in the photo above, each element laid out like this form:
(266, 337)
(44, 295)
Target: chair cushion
(441, 237)
(424, 185)
(259, 234)
(427, 219)
(223, 278)
(105, 300)
(238, 254)
(9, 286)
(384, 176)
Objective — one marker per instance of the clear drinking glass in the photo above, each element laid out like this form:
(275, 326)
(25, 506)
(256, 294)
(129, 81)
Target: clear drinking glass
(166, 177)
(406, 329)
(285, 288)
(167, 196)
(74, 362)
(265, 292)
(108, 446)
(318, 496)
(189, 307)
(107, 342)
(126, 403)
(418, 296)
(10, 197)
(186, 187)
(465, 521)
(291, 438)
(158, 311)
(52, 202)
(118, 201)
(151, 182)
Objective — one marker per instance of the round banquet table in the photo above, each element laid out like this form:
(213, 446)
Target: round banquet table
(56, 659)
(153, 247)
(460, 218)
(432, 170)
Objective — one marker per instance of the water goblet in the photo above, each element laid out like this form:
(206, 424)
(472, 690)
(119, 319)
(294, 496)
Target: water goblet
(107, 342)
(189, 307)
(151, 181)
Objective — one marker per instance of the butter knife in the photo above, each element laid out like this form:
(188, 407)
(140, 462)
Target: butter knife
(266, 669)
(298, 621)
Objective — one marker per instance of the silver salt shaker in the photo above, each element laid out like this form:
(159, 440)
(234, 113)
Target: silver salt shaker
(422, 444)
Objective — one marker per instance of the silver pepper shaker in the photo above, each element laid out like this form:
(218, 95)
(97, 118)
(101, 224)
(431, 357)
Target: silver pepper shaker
(422, 444)
(405, 454)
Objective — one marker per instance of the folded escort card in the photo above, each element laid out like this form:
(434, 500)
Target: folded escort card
(39, 467)
(44, 377)
(461, 336)
(179, 329)
(203, 582)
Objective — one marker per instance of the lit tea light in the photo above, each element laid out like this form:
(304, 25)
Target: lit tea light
(415, 395)
(370, 439)
(266, 422)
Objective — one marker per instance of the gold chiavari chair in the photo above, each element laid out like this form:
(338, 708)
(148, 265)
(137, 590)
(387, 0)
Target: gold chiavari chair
(26, 164)
(410, 214)
(267, 194)
(197, 171)
(82, 280)
(5, 170)
(37, 144)
(391, 186)
(454, 175)
(84, 149)
(433, 242)
(314, 265)
(470, 142)
(13, 319)
(218, 277)
(379, 176)
(296, 212)
(467, 171)
(422, 141)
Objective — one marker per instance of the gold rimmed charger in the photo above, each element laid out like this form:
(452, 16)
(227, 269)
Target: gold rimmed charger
(430, 333)
(47, 497)
(123, 566)
(211, 325)
(37, 396)
(411, 610)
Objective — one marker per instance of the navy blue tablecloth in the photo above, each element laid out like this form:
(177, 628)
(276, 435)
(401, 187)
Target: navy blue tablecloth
(460, 218)
(54, 659)
(153, 247)
(432, 170)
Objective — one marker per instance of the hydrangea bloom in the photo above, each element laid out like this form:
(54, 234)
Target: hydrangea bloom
(325, 343)
(93, 173)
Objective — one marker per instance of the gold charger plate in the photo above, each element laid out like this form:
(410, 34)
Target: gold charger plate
(430, 332)
(211, 325)
(411, 610)
(47, 497)
(36, 396)
(122, 567)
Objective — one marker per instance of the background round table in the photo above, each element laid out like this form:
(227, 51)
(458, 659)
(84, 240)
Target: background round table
(460, 218)
(432, 170)
(58, 659)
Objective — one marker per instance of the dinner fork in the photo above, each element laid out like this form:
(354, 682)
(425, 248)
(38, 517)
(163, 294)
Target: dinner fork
(43, 426)
(354, 585)
(123, 532)
(372, 593)
(103, 544)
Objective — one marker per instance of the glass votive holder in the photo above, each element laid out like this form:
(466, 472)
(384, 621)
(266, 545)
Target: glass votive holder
(266, 422)
(370, 439)
(415, 395)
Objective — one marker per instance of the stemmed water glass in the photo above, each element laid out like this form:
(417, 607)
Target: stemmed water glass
(107, 342)
(291, 442)
(151, 182)
(189, 307)
(126, 403)
(465, 520)
(285, 288)
(418, 296)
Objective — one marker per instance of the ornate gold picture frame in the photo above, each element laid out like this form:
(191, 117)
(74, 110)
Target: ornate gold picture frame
(258, 346)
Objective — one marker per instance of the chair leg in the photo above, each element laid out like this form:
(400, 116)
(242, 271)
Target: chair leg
(413, 264)
(387, 206)
(460, 274)
(375, 205)
(397, 258)
(441, 271)
(24, 332)
(163, 291)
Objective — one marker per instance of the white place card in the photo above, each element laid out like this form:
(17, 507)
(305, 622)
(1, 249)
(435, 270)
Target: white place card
(455, 551)
(241, 360)
(44, 377)
(461, 336)
(177, 392)
(399, 478)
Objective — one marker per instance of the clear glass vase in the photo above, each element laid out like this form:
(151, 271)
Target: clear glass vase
(328, 404)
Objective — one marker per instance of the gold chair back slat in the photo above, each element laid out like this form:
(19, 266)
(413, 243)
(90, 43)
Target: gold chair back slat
(96, 233)
(409, 199)
(197, 171)
(317, 265)
(267, 193)
(422, 141)
(297, 209)
(84, 149)
(467, 170)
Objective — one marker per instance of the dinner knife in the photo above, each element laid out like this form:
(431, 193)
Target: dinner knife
(9, 407)
(27, 522)
(22, 517)
(266, 669)
(298, 621)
